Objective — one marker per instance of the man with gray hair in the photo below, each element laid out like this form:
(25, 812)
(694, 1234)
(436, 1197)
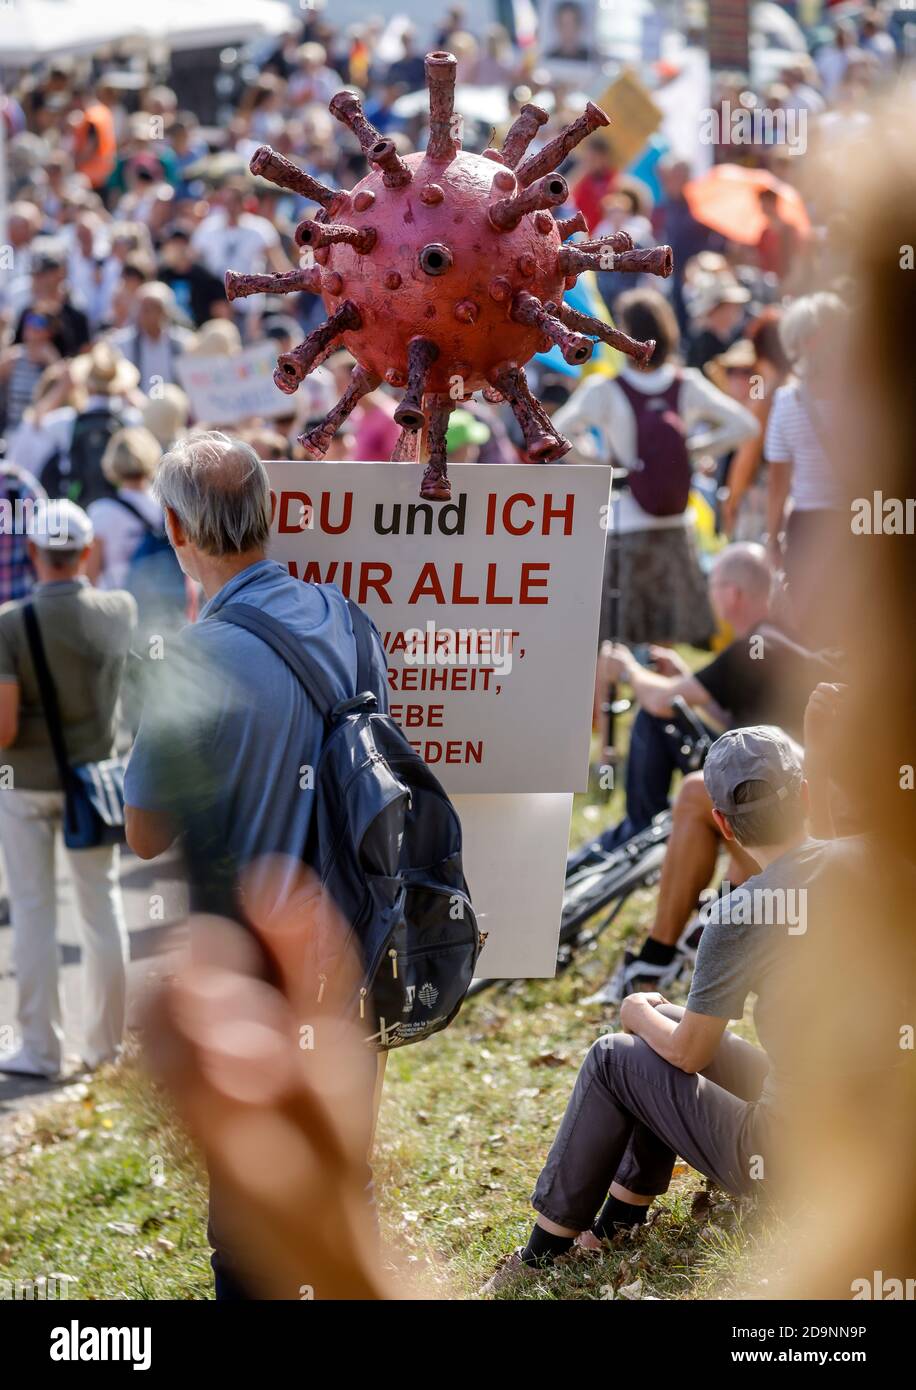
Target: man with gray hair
(762, 675)
(230, 737)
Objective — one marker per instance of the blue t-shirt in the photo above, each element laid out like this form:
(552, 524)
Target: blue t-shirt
(227, 728)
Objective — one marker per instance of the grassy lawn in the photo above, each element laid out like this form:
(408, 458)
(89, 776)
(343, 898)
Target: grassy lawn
(103, 1186)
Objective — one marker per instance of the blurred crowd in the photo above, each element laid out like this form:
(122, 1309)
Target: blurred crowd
(125, 211)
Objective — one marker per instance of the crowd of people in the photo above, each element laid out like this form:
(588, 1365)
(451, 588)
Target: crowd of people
(120, 234)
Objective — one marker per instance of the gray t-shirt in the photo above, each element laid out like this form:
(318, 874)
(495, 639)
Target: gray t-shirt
(86, 636)
(750, 937)
(779, 937)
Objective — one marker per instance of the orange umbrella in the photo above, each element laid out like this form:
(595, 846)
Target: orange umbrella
(726, 198)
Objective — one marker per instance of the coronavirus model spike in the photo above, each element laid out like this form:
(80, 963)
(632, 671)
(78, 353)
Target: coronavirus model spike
(435, 486)
(295, 365)
(595, 328)
(654, 260)
(542, 442)
(556, 150)
(307, 281)
(318, 440)
(443, 273)
(521, 133)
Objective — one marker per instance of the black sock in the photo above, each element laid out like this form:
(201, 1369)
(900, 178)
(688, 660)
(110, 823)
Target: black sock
(656, 952)
(616, 1215)
(543, 1247)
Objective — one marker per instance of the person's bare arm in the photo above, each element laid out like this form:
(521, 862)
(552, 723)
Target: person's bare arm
(744, 467)
(780, 481)
(9, 712)
(689, 1044)
(654, 692)
(820, 724)
(148, 833)
(276, 259)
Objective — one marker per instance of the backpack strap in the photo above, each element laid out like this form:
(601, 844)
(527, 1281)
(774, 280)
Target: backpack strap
(47, 690)
(135, 511)
(280, 640)
(362, 631)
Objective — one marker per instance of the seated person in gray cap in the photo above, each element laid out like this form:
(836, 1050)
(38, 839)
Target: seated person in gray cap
(674, 1080)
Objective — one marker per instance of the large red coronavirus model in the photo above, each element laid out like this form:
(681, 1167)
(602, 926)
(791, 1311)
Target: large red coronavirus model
(444, 273)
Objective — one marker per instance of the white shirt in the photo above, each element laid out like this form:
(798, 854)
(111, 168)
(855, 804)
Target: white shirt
(243, 247)
(121, 533)
(33, 445)
(715, 425)
(792, 437)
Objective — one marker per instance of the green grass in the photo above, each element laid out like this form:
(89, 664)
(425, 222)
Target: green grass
(103, 1186)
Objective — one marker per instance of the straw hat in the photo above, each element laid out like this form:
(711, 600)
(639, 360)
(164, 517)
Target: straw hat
(166, 414)
(216, 338)
(103, 371)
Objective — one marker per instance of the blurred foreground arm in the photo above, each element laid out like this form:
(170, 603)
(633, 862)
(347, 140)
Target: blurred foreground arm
(278, 1095)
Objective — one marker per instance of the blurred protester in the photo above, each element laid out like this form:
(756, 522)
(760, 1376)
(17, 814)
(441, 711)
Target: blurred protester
(465, 436)
(18, 490)
(166, 415)
(199, 294)
(676, 226)
(312, 79)
(154, 342)
(375, 428)
(833, 59)
(801, 81)
(741, 685)
(94, 141)
(49, 288)
(75, 439)
(121, 521)
(717, 306)
(875, 40)
(85, 635)
(23, 364)
(751, 370)
(779, 241)
(496, 65)
(408, 71)
(800, 450)
(660, 420)
(23, 225)
(231, 238)
(591, 185)
(244, 716)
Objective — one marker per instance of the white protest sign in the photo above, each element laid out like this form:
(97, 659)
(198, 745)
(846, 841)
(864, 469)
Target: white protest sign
(514, 853)
(487, 605)
(223, 390)
(505, 725)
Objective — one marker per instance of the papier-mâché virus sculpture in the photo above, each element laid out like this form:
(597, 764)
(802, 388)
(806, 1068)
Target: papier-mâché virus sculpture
(443, 273)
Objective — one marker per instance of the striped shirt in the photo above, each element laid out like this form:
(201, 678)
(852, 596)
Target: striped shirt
(792, 437)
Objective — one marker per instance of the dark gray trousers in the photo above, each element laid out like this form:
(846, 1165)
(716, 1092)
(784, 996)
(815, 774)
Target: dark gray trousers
(631, 1113)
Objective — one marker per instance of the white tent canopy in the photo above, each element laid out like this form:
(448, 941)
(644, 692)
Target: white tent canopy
(32, 30)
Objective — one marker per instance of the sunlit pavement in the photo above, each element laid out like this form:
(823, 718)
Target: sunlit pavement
(154, 900)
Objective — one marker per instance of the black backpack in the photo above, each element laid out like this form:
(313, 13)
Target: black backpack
(79, 476)
(386, 844)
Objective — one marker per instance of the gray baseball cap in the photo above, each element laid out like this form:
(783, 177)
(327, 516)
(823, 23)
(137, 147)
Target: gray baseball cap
(761, 753)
